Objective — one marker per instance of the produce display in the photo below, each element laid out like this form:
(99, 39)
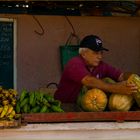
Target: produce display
(8, 99)
(27, 105)
(97, 100)
(93, 100)
(120, 102)
(37, 102)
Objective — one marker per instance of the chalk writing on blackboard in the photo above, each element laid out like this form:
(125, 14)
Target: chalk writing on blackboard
(6, 54)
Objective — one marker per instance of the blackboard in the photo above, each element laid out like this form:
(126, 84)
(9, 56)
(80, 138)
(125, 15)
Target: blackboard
(7, 54)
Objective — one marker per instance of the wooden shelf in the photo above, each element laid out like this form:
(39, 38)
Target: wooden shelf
(81, 117)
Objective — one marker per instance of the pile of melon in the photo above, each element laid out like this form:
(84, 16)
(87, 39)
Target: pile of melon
(97, 100)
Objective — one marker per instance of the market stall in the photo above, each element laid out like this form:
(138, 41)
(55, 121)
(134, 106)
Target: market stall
(33, 112)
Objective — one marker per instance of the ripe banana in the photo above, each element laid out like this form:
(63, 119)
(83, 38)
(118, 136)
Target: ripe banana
(11, 96)
(13, 92)
(5, 92)
(1, 108)
(5, 102)
(10, 109)
(4, 111)
(11, 115)
(13, 102)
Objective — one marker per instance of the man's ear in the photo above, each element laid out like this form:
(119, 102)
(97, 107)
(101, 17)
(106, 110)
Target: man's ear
(83, 53)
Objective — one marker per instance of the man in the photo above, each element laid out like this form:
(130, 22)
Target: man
(88, 69)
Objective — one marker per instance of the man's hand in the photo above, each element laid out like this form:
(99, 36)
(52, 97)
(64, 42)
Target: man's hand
(125, 88)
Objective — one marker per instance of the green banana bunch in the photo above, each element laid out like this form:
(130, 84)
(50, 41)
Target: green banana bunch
(32, 99)
(39, 96)
(35, 109)
(18, 107)
(56, 108)
(37, 102)
(24, 93)
(24, 102)
(26, 108)
(44, 109)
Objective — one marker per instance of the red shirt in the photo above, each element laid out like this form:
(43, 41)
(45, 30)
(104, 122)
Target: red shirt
(75, 70)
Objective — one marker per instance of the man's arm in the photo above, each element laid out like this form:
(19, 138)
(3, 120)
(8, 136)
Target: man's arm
(120, 87)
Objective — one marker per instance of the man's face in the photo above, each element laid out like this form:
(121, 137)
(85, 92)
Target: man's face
(93, 58)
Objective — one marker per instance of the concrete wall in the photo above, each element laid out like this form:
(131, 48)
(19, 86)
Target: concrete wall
(38, 57)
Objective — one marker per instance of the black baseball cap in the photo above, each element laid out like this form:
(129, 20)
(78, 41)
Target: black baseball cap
(92, 42)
